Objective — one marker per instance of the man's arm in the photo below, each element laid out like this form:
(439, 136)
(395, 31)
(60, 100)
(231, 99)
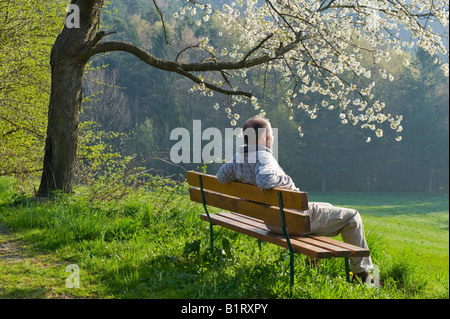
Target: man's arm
(226, 173)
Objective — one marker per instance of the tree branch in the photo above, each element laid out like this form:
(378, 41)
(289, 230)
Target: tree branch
(19, 127)
(257, 47)
(163, 21)
(180, 68)
(212, 86)
(145, 56)
(184, 69)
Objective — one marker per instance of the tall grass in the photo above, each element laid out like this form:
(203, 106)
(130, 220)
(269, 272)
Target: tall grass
(152, 244)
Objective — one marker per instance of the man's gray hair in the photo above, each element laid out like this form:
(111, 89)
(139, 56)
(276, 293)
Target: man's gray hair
(253, 129)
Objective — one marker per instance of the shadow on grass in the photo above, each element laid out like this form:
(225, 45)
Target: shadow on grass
(199, 276)
(24, 293)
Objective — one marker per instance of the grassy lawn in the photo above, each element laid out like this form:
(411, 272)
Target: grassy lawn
(416, 222)
(152, 244)
(413, 228)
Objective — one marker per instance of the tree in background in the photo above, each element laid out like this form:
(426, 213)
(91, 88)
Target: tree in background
(314, 44)
(105, 101)
(27, 31)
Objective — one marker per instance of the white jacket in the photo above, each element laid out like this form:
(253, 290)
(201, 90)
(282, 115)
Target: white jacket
(255, 165)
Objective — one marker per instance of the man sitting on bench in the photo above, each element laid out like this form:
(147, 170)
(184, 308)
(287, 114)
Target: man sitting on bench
(255, 164)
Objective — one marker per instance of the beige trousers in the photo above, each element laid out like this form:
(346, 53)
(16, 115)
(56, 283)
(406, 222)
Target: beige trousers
(328, 220)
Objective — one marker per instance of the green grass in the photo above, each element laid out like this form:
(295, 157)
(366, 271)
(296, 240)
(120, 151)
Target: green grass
(414, 230)
(152, 244)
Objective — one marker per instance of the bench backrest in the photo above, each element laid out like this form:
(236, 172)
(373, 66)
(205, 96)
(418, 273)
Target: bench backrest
(249, 200)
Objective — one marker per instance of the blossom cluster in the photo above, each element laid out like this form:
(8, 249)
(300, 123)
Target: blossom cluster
(320, 47)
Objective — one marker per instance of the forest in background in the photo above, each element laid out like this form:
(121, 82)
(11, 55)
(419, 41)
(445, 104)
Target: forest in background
(129, 109)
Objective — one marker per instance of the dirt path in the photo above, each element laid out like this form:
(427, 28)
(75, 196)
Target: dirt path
(28, 275)
(10, 247)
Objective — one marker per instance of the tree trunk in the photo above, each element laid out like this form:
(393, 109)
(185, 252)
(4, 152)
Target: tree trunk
(68, 60)
(62, 130)
(72, 50)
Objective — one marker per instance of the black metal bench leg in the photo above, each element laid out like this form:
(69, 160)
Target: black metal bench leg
(288, 241)
(211, 232)
(211, 237)
(292, 271)
(347, 269)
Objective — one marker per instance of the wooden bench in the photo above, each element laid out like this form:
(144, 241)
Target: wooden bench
(249, 208)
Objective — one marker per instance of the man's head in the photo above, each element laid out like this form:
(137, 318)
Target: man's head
(258, 130)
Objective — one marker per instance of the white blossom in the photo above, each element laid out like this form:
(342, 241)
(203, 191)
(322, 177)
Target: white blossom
(330, 42)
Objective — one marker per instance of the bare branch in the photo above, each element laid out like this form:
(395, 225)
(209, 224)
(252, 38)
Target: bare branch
(180, 68)
(184, 69)
(145, 56)
(184, 50)
(24, 128)
(163, 21)
(211, 86)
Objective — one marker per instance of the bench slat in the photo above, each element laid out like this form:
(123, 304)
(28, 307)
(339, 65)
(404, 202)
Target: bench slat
(248, 217)
(296, 222)
(335, 249)
(300, 247)
(291, 199)
(331, 245)
(245, 220)
(356, 251)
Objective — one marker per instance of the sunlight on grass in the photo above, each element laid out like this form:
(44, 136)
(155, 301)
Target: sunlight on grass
(159, 248)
